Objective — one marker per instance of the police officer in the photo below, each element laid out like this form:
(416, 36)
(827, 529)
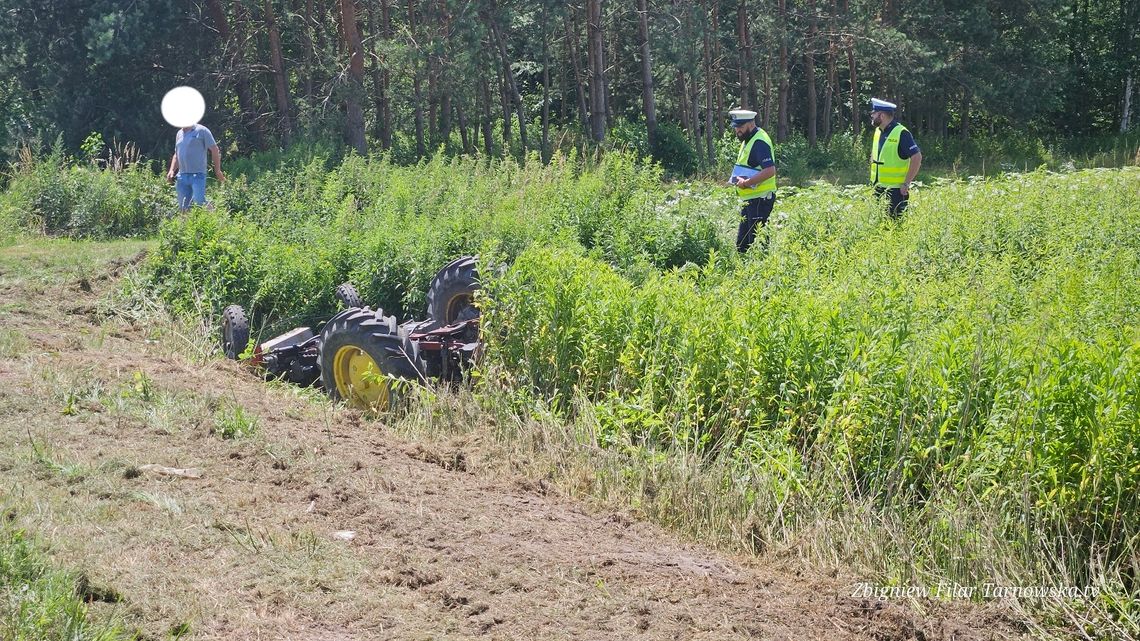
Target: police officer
(754, 176)
(895, 157)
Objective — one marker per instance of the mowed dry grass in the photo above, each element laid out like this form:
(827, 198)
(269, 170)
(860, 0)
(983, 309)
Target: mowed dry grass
(451, 538)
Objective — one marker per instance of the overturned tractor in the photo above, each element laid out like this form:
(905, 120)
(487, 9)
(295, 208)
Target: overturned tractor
(361, 355)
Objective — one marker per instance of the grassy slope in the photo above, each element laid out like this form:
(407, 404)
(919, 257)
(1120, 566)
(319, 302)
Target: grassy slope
(39, 599)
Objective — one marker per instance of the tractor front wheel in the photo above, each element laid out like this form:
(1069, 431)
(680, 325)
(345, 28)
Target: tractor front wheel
(348, 296)
(235, 331)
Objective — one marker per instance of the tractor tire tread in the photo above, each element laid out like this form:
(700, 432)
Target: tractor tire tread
(347, 294)
(235, 331)
(459, 277)
(372, 332)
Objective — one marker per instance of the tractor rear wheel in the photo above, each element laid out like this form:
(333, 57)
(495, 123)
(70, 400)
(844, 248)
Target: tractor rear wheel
(451, 296)
(363, 359)
(346, 293)
(235, 331)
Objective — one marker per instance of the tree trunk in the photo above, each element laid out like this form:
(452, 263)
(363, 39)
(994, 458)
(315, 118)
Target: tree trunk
(417, 88)
(462, 129)
(441, 82)
(829, 95)
(380, 75)
(747, 76)
(432, 96)
(609, 63)
(647, 102)
(235, 63)
(809, 73)
(695, 111)
(707, 40)
(545, 84)
(856, 119)
(1129, 55)
(562, 91)
(485, 100)
(683, 101)
(280, 79)
(782, 117)
(832, 77)
(767, 119)
(579, 80)
(310, 53)
(595, 53)
(386, 126)
(718, 85)
(1126, 111)
(741, 54)
(966, 98)
(354, 113)
(505, 107)
(508, 74)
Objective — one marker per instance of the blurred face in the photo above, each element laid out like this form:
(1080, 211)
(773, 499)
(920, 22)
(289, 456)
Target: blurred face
(743, 131)
(878, 118)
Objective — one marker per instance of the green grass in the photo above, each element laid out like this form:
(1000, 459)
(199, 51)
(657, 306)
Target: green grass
(13, 344)
(53, 196)
(40, 261)
(842, 160)
(39, 601)
(233, 422)
(281, 244)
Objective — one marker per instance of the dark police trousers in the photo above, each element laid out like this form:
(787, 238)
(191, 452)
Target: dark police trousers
(755, 212)
(898, 201)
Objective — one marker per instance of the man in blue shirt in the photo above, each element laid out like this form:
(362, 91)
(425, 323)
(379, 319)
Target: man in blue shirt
(188, 164)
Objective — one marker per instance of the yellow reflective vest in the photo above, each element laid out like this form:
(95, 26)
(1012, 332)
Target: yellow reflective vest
(887, 168)
(766, 187)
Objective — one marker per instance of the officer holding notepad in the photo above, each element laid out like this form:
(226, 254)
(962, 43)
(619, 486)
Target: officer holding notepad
(754, 176)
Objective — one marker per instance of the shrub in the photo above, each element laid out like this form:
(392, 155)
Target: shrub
(985, 348)
(48, 196)
(281, 242)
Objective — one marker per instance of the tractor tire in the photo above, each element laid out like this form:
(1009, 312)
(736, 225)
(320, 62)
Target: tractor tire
(235, 331)
(348, 296)
(451, 296)
(362, 356)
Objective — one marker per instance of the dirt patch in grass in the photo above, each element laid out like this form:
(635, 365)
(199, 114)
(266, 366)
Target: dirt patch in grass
(322, 525)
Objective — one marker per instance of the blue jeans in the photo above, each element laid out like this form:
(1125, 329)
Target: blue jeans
(191, 190)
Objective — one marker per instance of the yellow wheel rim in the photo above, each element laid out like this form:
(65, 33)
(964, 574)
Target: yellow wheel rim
(457, 303)
(358, 379)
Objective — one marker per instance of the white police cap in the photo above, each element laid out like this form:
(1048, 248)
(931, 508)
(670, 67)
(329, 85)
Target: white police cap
(882, 105)
(741, 116)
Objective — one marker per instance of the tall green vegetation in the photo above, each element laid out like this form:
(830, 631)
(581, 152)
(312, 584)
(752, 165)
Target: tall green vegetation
(280, 243)
(985, 352)
(971, 371)
(56, 196)
(968, 376)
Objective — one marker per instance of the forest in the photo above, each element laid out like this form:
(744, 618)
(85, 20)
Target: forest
(504, 77)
